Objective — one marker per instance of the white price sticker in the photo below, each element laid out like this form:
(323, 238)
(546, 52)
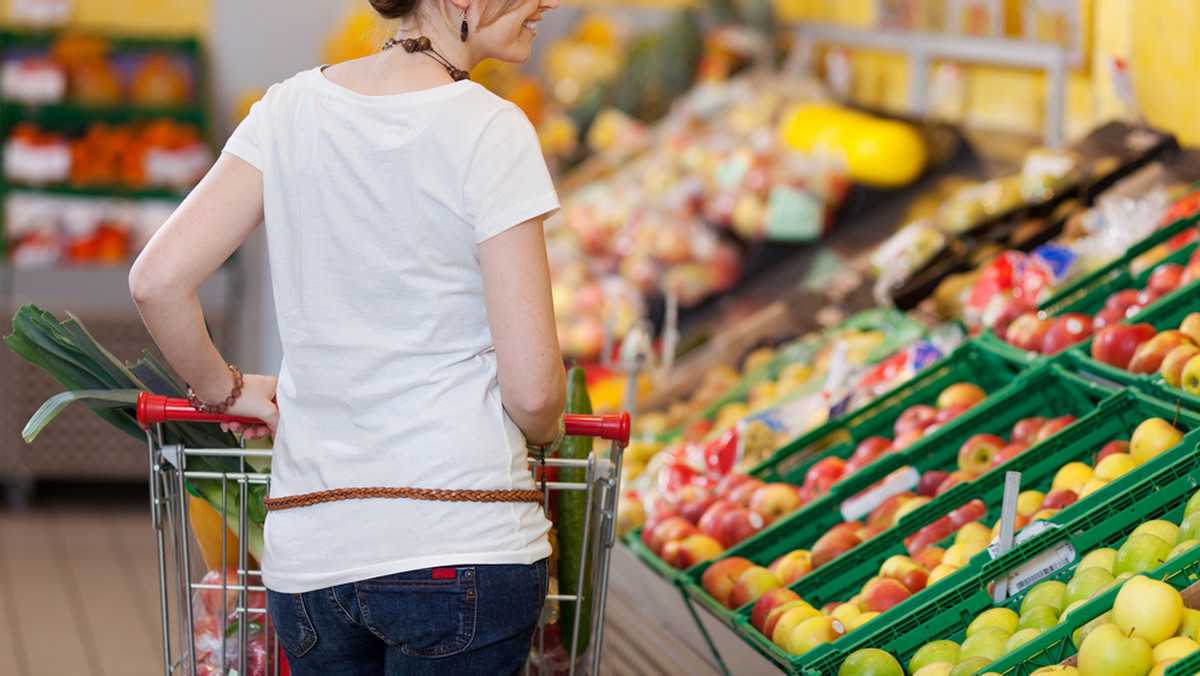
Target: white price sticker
(895, 483)
(1041, 567)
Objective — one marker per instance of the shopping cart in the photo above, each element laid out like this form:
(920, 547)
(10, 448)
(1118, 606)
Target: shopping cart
(243, 643)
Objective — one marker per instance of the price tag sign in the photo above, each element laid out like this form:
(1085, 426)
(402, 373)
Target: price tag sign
(793, 215)
(895, 483)
(838, 71)
(1040, 567)
(1122, 81)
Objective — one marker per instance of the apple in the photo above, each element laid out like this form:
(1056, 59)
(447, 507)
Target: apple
(1084, 583)
(988, 642)
(1149, 356)
(1121, 300)
(1189, 626)
(859, 620)
(968, 512)
(695, 549)
(1059, 498)
(884, 515)
(975, 455)
(928, 483)
(1190, 379)
(1152, 437)
(743, 491)
(768, 601)
(774, 500)
(871, 447)
(1048, 593)
(750, 585)
(1097, 558)
(1002, 315)
(813, 632)
(910, 505)
(880, 594)
(1140, 553)
(1108, 650)
(1114, 446)
(1029, 502)
(1053, 426)
(1145, 298)
(960, 394)
(972, 531)
(1193, 504)
(727, 483)
(970, 666)
(1028, 331)
(943, 650)
(846, 612)
(1067, 329)
(1008, 452)
(1004, 618)
(1115, 344)
(1191, 325)
(915, 417)
(867, 532)
(1020, 638)
(1189, 528)
(906, 571)
(909, 437)
(720, 576)
(831, 545)
(939, 572)
(772, 619)
(1042, 617)
(1174, 648)
(692, 502)
(786, 623)
(1173, 363)
(1025, 429)
(945, 415)
(711, 518)
(1072, 475)
(792, 566)
(1106, 317)
(1149, 609)
(935, 669)
(1165, 278)
(671, 528)
(930, 534)
(825, 471)
(736, 525)
(870, 662)
(1164, 529)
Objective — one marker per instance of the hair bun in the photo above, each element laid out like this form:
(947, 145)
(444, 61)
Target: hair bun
(393, 9)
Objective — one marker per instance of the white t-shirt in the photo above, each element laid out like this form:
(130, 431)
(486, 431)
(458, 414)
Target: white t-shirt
(374, 206)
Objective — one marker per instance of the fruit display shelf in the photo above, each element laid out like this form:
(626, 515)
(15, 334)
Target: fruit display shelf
(838, 437)
(1046, 389)
(1159, 489)
(1089, 294)
(1167, 314)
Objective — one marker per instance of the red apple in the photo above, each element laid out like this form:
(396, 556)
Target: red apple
(929, 557)
(832, 545)
(772, 620)
(729, 482)
(971, 511)
(718, 579)
(1059, 498)
(1007, 453)
(1028, 331)
(1115, 344)
(774, 500)
(691, 501)
(928, 484)
(1068, 329)
(1148, 358)
(736, 525)
(750, 585)
(792, 566)
(1165, 278)
(770, 600)
(1120, 300)
(1053, 426)
(960, 394)
(1173, 363)
(1107, 316)
(1000, 316)
(915, 417)
(1191, 325)
(1114, 446)
(712, 516)
(931, 534)
(1145, 298)
(694, 549)
(880, 594)
(975, 455)
(867, 532)
(825, 469)
(955, 478)
(910, 437)
(1025, 429)
(743, 491)
(672, 528)
(906, 571)
(884, 516)
(945, 415)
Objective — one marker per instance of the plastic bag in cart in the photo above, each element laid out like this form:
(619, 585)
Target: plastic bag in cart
(217, 626)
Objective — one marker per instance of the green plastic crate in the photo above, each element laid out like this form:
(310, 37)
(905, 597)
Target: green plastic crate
(1163, 315)
(1158, 489)
(1047, 388)
(1114, 418)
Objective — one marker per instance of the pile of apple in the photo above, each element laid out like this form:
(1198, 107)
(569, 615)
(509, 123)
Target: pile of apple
(998, 631)
(1019, 323)
(1140, 348)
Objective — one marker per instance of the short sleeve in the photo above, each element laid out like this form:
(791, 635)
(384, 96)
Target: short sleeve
(507, 181)
(246, 140)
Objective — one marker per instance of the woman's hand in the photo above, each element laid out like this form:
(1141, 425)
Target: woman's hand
(257, 401)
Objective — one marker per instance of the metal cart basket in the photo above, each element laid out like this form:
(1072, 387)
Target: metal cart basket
(217, 624)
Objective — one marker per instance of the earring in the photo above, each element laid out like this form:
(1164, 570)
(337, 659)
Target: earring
(462, 33)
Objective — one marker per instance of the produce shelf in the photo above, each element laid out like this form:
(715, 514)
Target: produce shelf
(1045, 389)
(1159, 489)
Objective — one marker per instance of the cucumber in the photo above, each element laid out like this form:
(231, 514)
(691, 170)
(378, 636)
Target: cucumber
(574, 556)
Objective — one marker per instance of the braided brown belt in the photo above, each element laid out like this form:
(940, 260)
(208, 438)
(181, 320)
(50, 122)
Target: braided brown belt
(440, 494)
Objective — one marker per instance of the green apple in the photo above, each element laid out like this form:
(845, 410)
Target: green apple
(1175, 647)
(1085, 583)
(1162, 528)
(987, 642)
(944, 650)
(1140, 553)
(1020, 638)
(994, 617)
(1041, 617)
(1189, 528)
(1048, 593)
(1117, 582)
(1057, 670)
(970, 666)
(1189, 626)
(1071, 608)
(870, 662)
(1081, 633)
(1150, 609)
(1193, 504)
(1098, 558)
(1108, 651)
(1181, 547)
(935, 669)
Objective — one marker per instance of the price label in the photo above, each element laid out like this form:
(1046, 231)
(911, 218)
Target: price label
(1042, 566)
(793, 215)
(895, 483)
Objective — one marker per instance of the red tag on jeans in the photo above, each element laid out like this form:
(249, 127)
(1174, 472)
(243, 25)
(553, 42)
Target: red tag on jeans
(444, 573)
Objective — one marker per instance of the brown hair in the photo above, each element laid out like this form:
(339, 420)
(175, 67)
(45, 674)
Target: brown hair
(395, 9)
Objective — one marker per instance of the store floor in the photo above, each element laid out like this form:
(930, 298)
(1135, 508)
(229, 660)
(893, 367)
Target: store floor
(79, 583)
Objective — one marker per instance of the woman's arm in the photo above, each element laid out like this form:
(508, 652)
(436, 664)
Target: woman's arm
(516, 285)
(210, 224)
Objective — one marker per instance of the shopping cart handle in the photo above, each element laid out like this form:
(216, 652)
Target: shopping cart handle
(158, 408)
(611, 426)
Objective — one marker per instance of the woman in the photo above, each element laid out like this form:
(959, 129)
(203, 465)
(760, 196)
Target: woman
(403, 210)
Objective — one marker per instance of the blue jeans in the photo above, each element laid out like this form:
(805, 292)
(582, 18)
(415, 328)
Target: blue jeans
(461, 620)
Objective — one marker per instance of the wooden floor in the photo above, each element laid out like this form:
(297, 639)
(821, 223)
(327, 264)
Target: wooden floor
(79, 584)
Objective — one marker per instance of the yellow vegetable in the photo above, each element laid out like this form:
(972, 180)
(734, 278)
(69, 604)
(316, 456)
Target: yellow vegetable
(878, 152)
(207, 527)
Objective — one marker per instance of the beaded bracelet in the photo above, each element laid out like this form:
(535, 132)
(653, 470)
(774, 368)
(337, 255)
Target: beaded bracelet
(540, 451)
(222, 406)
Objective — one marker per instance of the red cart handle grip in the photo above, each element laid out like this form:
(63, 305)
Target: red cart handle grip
(157, 408)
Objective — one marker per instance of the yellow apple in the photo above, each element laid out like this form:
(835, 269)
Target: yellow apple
(1175, 647)
(972, 531)
(1189, 626)
(1072, 475)
(986, 642)
(1151, 437)
(943, 650)
(1149, 609)
(1094, 484)
(934, 669)
(1057, 670)
(1097, 558)
(1004, 618)
(1190, 379)
(1114, 465)
(1160, 669)
(1160, 527)
(790, 620)
(859, 620)
(1020, 638)
(813, 632)
(1029, 502)
(1081, 633)
(1107, 651)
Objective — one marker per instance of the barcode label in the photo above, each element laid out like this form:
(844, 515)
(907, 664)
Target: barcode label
(861, 505)
(1041, 567)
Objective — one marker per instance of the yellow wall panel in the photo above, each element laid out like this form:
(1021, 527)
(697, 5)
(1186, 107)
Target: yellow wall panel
(141, 17)
(1166, 65)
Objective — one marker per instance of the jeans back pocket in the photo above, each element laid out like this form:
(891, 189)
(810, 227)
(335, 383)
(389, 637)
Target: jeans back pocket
(424, 616)
(292, 625)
